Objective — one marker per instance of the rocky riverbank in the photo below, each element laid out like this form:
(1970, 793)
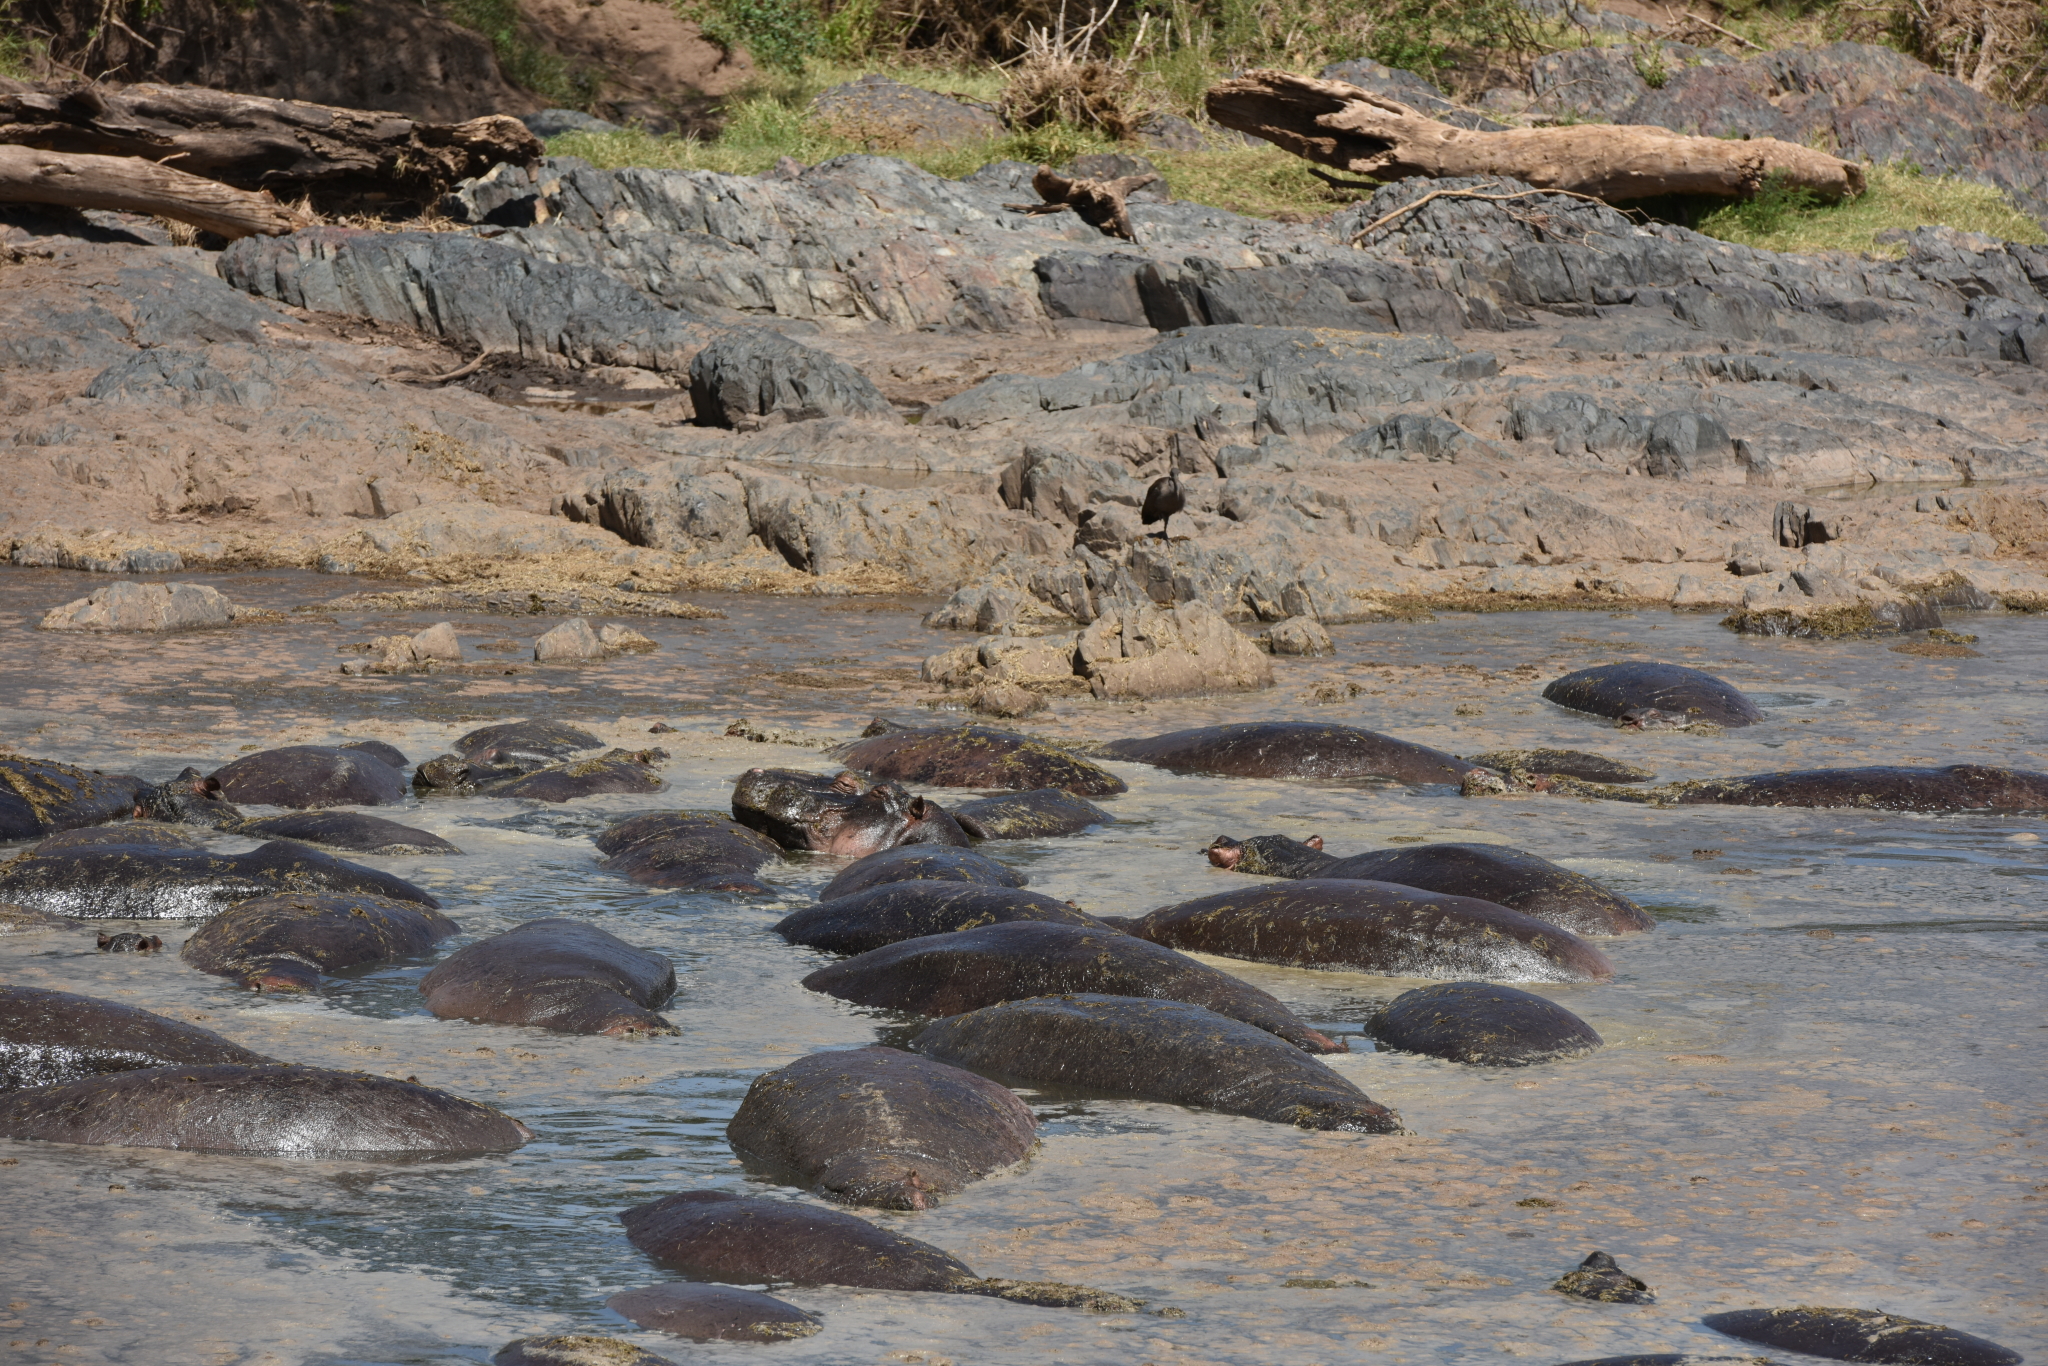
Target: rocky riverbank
(861, 377)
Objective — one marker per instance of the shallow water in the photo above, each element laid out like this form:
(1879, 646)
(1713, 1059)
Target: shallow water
(1822, 1080)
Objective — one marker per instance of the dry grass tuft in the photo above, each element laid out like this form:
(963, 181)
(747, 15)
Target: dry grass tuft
(1061, 78)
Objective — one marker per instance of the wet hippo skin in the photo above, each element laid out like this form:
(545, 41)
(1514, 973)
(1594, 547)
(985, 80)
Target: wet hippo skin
(1375, 927)
(838, 813)
(1514, 878)
(350, 830)
(1043, 813)
(714, 1236)
(1293, 749)
(1860, 1335)
(1959, 787)
(950, 974)
(49, 1037)
(976, 756)
(40, 796)
(285, 943)
(915, 863)
(713, 1313)
(879, 1127)
(1653, 695)
(1138, 1049)
(303, 776)
(896, 911)
(152, 873)
(689, 850)
(273, 1108)
(559, 974)
(1482, 1023)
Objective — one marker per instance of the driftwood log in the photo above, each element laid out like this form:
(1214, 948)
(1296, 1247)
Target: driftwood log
(343, 158)
(31, 176)
(1099, 203)
(1354, 130)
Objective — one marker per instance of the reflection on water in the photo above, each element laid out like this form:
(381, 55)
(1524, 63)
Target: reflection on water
(1820, 1075)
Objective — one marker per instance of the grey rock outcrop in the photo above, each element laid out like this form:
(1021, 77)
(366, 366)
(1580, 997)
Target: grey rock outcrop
(126, 606)
(748, 379)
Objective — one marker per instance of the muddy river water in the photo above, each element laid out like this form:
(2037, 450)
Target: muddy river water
(1822, 1081)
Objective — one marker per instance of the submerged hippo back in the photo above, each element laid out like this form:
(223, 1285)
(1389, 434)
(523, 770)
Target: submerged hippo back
(38, 796)
(977, 756)
(143, 875)
(913, 863)
(1293, 749)
(310, 776)
(286, 942)
(713, 1236)
(1622, 691)
(896, 911)
(274, 1108)
(556, 974)
(1376, 927)
(1153, 1050)
(1959, 787)
(950, 974)
(50, 1037)
(1508, 877)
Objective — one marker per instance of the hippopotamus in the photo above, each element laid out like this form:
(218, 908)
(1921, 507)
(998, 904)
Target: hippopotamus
(559, 974)
(1671, 1359)
(1650, 696)
(896, 911)
(51, 1037)
(879, 1127)
(350, 830)
(1959, 787)
(136, 872)
(694, 851)
(523, 746)
(618, 770)
(1488, 872)
(40, 796)
(1482, 1023)
(838, 814)
(1039, 814)
(378, 749)
(950, 974)
(1375, 927)
(1599, 1279)
(1860, 1335)
(1134, 1048)
(577, 1349)
(191, 798)
(303, 776)
(714, 1236)
(976, 756)
(920, 863)
(1293, 749)
(713, 1313)
(276, 1108)
(130, 943)
(1570, 763)
(285, 943)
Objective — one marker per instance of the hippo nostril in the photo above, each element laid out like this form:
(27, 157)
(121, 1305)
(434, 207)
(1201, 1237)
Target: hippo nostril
(1314, 842)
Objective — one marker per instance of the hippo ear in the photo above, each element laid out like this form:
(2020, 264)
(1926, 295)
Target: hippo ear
(918, 809)
(1314, 842)
(209, 787)
(972, 826)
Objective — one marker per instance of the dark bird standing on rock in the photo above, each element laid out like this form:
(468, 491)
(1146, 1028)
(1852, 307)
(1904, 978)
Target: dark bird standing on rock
(1162, 500)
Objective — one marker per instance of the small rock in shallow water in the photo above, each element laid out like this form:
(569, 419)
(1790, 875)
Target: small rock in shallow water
(126, 606)
(1598, 1278)
(1298, 636)
(623, 640)
(1005, 699)
(571, 641)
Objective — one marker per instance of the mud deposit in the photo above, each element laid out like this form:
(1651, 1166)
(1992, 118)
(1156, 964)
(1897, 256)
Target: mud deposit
(1821, 1082)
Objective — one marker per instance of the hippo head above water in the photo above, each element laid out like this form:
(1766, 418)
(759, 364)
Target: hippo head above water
(188, 799)
(839, 814)
(1270, 855)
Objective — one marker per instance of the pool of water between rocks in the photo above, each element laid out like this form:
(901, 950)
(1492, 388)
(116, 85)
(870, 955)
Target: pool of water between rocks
(1821, 1070)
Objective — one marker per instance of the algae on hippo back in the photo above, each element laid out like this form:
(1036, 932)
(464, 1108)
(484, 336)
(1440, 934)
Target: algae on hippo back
(975, 756)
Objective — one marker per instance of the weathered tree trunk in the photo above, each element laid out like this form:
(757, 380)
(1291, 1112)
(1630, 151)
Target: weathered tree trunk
(344, 158)
(1354, 130)
(30, 176)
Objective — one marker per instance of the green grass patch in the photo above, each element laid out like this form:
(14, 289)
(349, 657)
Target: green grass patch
(524, 62)
(1898, 197)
